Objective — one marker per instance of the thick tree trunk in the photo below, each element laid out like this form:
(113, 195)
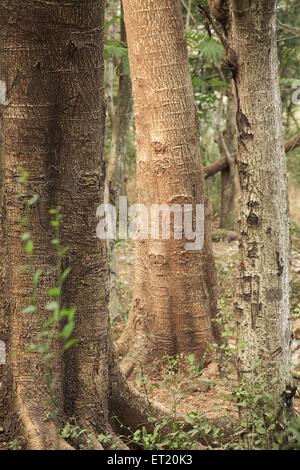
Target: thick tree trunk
(5, 378)
(175, 289)
(264, 276)
(27, 64)
(51, 61)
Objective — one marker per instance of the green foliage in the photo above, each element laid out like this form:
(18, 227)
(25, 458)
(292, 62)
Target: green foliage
(59, 322)
(81, 437)
(195, 367)
(226, 349)
(114, 49)
(291, 440)
(169, 433)
(260, 426)
(17, 443)
(71, 431)
(296, 312)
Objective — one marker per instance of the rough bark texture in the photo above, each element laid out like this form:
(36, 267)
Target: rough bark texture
(175, 289)
(263, 289)
(5, 378)
(51, 60)
(29, 132)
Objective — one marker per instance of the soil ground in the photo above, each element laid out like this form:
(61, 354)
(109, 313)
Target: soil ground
(177, 382)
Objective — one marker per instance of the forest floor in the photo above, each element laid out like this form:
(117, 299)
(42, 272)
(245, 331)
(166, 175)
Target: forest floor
(177, 382)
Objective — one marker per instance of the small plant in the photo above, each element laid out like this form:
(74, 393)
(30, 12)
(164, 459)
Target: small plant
(169, 433)
(81, 437)
(260, 426)
(226, 349)
(296, 312)
(17, 443)
(72, 431)
(166, 434)
(105, 439)
(194, 365)
(291, 439)
(59, 322)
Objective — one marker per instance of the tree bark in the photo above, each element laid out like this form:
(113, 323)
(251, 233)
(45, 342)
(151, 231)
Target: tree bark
(262, 301)
(51, 61)
(175, 289)
(5, 378)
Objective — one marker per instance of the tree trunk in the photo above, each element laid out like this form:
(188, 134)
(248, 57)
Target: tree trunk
(5, 378)
(228, 175)
(175, 289)
(264, 276)
(51, 61)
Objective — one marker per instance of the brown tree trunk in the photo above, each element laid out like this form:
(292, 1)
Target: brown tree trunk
(5, 378)
(262, 301)
(51, 61)
(175, 289)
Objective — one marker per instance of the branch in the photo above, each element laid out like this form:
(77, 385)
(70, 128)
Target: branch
(292, 144)
(214, 168)
(218, 29)
(222, 163)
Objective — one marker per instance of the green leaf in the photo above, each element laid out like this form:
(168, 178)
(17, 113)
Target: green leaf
(54, 292)
(31, 348)
(211, 49)
(26, 236)
(68, 330)
(68, 313)
(65, 274)
(55, 223)
(33, 200)
(36, 276)
(29, 309)
(28, 247)
(69, 344)
(114, 49)
(52, 306)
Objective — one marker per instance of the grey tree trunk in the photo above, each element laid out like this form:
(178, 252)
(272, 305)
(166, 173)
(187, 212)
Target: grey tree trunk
(262, 301)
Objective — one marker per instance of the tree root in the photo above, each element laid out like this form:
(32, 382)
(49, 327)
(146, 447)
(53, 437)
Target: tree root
(40, 435)
(127, 366)
(133, 410)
